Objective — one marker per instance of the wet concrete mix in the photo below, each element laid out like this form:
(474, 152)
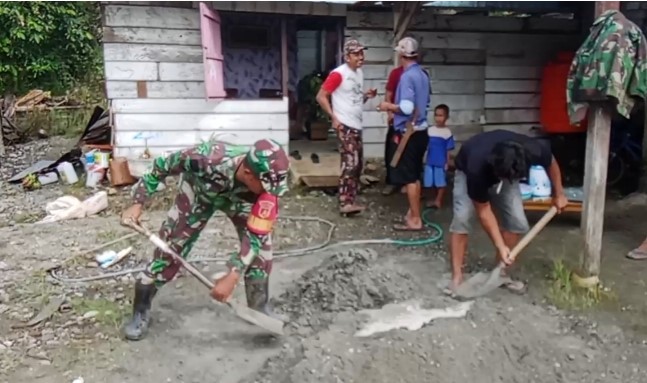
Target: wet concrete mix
(499, 341)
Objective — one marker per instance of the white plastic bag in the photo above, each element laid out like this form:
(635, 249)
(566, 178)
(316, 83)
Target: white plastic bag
(96, 203)
(68, 207)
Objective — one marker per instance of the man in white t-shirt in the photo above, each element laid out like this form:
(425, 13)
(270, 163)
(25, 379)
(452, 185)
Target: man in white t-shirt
(345, 84)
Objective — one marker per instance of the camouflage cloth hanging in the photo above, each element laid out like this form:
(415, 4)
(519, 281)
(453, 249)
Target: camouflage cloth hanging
(611, 65)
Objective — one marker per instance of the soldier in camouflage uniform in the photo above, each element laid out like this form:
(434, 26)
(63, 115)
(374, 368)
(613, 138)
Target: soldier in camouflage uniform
(244, 184)
(611, 64)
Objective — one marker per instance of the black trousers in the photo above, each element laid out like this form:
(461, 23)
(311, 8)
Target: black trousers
(409, 169)
(389, 152)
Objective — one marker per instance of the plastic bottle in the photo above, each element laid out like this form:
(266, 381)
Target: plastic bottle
(539, 182)
(67, 173)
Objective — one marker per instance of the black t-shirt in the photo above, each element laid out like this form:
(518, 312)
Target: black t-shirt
(473, 155)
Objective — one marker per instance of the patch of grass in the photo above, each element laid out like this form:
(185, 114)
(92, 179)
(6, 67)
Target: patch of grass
(565, 294)
(109, 314)
(27, 217)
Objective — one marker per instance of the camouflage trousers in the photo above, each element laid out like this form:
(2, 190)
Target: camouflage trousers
(352, 152)
(186, 220)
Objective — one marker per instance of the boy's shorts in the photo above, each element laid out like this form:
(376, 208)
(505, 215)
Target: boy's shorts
(434, 177)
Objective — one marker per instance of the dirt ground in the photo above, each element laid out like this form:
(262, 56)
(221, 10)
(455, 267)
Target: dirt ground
(503, 338)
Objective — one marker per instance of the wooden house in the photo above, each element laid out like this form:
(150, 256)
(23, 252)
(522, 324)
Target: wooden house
(181, 72)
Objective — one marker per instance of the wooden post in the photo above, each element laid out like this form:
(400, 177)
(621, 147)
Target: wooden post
(595, 176)
(595, 179)
(403, 14)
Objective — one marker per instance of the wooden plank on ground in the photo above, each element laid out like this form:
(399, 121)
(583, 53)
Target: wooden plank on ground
(324, 174)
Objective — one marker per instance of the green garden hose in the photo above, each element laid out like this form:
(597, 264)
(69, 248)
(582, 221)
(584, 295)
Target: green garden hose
(293, 252)
(424, 241)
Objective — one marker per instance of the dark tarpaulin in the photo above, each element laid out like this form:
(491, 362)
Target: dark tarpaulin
(97, 132)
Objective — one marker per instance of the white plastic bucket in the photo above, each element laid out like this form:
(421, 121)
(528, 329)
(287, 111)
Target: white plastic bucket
(102, 159)
(94, 176)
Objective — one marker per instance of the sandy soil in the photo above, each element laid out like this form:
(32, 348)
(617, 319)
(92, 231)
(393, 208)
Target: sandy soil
(504, 338)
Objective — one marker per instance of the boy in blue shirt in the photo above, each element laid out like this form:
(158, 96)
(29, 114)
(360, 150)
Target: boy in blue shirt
(441, 143)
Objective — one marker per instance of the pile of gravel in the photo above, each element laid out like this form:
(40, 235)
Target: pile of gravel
(347, 281)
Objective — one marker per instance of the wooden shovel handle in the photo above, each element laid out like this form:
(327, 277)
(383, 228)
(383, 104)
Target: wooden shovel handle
(157, 241)
(401, 146)
(539, 226)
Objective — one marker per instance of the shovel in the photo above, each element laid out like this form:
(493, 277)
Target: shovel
(252, 316)
(483, 283)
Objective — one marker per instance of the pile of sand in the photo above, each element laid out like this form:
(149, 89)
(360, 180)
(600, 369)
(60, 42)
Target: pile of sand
(505, 340)
(347, 281)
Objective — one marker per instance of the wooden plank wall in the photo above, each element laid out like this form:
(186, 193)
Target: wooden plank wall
(312, 8)
(486, 69)
(155, 81)
(635, 11)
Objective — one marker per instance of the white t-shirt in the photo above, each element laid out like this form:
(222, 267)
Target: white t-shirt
(346, 87)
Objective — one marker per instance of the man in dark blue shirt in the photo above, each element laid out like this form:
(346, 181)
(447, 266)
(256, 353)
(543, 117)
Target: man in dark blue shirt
(489, 167)
(411, 101)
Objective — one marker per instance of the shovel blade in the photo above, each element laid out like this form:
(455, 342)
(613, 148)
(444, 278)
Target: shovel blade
(481, 284)
(259, 319)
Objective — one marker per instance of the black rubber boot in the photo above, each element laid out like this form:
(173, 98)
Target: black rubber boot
(258, 297)
(137, 327)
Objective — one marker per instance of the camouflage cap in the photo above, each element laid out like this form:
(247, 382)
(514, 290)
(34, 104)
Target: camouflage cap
(268, 161)
(353, 46)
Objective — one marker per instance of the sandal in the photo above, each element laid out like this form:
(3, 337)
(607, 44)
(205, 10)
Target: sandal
(637, 255)
(350, 210)
(405, 227)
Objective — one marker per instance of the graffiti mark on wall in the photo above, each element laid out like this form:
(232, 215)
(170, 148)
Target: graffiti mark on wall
(145, 136)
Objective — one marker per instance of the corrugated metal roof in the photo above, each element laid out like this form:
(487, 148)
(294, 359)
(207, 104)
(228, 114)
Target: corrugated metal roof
(516, 6)
(529, 6)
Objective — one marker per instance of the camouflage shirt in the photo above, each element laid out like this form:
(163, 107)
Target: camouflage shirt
(208, 175)
(611, 63)
(209, 167)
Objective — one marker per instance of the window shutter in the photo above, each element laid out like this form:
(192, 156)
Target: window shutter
(212, 52)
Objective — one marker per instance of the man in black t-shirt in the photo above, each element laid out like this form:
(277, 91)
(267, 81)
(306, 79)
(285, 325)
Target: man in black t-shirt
(488, 169)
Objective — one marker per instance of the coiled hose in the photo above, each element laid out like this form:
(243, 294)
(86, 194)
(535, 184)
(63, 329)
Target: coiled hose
(436, 237)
